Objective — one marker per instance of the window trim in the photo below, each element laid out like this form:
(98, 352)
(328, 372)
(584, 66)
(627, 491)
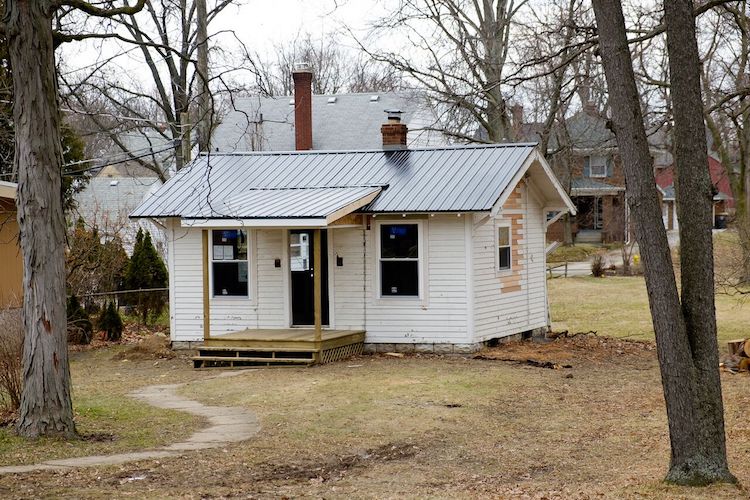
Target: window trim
(250, 254)
(591, 164)
(421, 281)
(509, 227)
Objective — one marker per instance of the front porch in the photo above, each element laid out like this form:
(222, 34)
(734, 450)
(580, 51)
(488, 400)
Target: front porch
(278, 347)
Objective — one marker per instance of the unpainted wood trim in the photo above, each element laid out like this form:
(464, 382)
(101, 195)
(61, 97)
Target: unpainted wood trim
(206, 298)
(351, 207)
(317, 287)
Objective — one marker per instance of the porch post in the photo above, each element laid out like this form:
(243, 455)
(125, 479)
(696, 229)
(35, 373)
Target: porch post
(317, 289)
(206, 303)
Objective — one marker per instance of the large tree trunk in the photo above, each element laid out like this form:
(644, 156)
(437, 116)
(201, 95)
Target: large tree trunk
(46, 407)
(703, 459)
(697, 452)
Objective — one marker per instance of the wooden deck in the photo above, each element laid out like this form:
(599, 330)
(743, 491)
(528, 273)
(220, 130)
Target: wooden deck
(278, 347)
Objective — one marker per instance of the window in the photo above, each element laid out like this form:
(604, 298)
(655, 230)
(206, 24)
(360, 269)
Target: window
(229, 263)
(503, 248)
(399, 260)
(597, 166)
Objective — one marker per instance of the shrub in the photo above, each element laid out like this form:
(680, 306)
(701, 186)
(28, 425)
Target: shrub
(80, 329)
(598, 265)
(146, 270)
(110, 322)
(11, 359)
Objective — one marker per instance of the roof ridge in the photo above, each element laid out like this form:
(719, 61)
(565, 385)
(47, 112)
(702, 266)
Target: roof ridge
(372, 151)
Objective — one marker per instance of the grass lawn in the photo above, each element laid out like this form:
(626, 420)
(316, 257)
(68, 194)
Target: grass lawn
(412, 427)
(618, 307)
(109, 421)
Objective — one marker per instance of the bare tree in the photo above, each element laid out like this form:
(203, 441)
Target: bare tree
(685, 325)
(46, 407)
(460, 54)
(163, 110)
(335, 68)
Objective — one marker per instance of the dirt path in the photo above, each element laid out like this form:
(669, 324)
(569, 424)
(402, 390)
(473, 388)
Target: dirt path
(226, 425)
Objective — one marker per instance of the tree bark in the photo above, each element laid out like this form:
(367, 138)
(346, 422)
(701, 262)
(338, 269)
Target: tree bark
(703, 460)
(682, 337)
(46, 407)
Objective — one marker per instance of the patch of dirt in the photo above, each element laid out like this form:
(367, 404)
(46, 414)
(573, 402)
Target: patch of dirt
(99, 437)
(565, 349)
(334, 468)
(132, 333)
(152, 347)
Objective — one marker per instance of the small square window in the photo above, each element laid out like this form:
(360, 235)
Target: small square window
(503, 248)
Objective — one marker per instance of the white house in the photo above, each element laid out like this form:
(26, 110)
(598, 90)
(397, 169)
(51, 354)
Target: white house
(420, 249)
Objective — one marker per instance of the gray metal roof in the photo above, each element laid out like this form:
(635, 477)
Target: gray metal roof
(467, 178)
(286, 203)
(349, 122)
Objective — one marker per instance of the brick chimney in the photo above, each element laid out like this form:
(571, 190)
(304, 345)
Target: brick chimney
(394, 132)
(302, 76)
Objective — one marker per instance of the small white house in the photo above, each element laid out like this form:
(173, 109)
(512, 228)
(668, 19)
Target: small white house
(420, 249)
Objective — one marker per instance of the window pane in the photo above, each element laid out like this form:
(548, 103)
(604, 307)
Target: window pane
(503, 236)
(399, 278)
(230, 278)
(504, 258)
(399, 241)
(230, 244)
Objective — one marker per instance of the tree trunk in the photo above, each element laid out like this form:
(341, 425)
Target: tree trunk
(695, 453)
(46, 407)
(703, 459)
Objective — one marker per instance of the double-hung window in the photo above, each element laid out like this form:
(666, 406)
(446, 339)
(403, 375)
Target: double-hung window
(398, 257)
(229, 263)
(503, 248)
(597, 166)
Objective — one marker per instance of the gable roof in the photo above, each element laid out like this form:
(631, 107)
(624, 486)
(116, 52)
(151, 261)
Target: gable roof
(719, 179)
(449, 179)
(340, 122)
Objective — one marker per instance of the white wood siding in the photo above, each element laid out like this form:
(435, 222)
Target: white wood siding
(440, 317)
(498, 314)
(264, 309)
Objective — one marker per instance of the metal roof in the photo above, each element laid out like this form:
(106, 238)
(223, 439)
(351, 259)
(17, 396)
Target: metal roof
(455, 179)
(286, 203)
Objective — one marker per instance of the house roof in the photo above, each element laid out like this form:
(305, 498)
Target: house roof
(289, 203)
(109, 200)
(453, 179)
(719, 178)
(340, 122)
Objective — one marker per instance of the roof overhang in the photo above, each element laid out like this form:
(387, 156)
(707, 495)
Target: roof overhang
(8, 190)
(285, 207)
(546, 186)
(596, 191)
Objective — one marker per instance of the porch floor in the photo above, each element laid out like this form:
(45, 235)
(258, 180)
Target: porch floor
(278, 347)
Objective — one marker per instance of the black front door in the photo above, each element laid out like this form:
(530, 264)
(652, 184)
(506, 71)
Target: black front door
(301, 259)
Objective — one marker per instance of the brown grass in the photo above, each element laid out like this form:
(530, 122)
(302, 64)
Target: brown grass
(430, 427)
(11, 355)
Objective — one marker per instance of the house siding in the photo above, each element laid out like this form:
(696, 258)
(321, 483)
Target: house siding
(264, 309)
(440, 316)
(507, 303)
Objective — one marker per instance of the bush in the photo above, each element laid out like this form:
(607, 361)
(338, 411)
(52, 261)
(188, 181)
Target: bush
(598, 265)
(110, 322)
(146, 270)
(11, 359)
(80, 329)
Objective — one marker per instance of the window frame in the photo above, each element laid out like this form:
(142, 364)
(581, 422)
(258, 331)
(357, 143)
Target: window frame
(604, 165)
(250, 254)
(509, 246)
(421, 241)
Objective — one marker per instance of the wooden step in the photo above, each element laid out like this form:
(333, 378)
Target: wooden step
(246, 361)
(258, 349)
